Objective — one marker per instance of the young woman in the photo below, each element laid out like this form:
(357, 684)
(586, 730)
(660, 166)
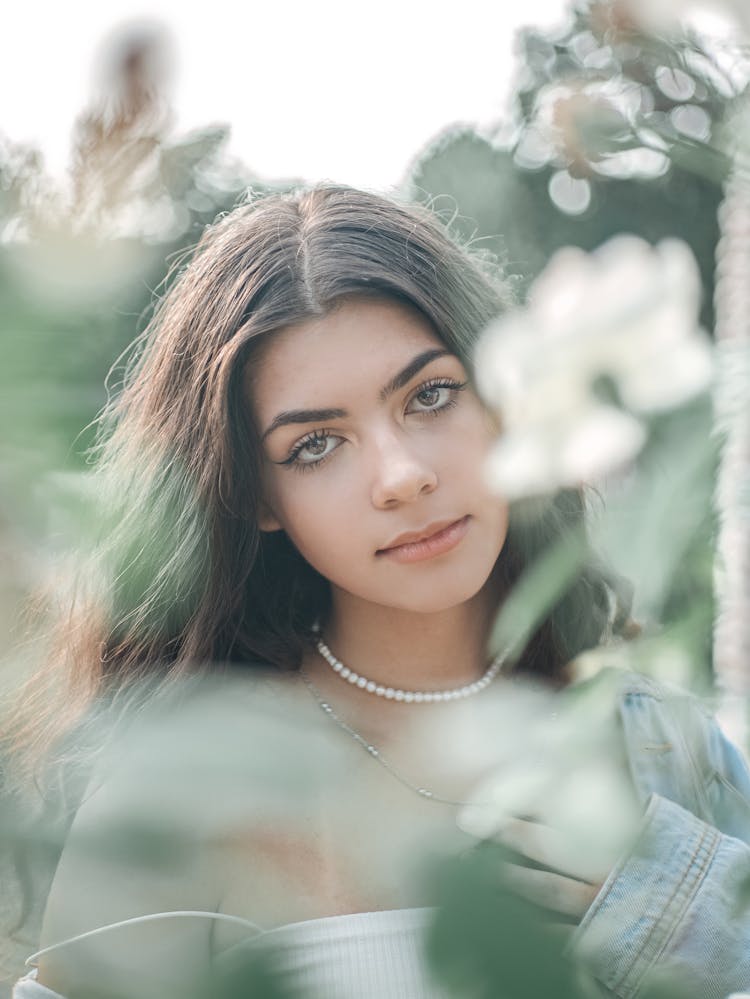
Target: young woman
(292, 481)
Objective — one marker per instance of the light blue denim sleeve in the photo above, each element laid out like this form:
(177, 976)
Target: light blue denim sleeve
(676, 905)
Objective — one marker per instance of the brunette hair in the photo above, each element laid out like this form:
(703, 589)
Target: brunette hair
(185, 579)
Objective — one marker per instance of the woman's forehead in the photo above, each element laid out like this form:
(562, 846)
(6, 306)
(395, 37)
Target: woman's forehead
(361, 340)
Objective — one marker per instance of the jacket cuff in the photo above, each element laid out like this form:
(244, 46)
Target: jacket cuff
(642, 903)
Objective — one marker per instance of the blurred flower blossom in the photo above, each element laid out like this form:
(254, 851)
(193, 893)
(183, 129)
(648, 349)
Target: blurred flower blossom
(605, 337)
(583, 120)
(568, 777)
(663, 15)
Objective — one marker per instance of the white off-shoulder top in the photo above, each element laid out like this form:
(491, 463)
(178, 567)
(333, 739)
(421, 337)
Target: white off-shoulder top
(367, 955)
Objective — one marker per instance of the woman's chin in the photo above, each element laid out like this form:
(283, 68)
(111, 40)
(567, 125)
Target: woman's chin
(436, 599)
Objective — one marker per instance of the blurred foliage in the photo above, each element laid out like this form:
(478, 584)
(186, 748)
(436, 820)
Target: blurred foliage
(528, 957)
(469, 953)
(657, 526)
(246, 974)
(251, 976)
(612, 131)
(83, 261)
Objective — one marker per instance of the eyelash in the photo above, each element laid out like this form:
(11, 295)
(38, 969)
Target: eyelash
(292, 460)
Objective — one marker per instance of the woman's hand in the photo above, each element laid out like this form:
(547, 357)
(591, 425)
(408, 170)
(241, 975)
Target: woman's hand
(557, 878)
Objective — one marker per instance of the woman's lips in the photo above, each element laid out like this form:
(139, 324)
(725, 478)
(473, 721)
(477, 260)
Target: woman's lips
(437, 544)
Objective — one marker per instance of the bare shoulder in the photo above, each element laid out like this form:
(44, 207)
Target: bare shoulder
(128, 857)
(184, 781)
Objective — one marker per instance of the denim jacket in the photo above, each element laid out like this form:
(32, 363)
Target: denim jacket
(679, 902)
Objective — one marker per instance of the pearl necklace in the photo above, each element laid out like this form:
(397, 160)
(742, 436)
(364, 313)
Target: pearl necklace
(410, 696)
(374, 752)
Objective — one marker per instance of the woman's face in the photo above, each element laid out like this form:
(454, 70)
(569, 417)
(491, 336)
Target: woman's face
(373, 443)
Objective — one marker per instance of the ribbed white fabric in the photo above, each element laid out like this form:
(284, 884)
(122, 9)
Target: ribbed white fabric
(370, 955)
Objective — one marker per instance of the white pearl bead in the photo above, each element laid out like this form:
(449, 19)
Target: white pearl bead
(414, 696)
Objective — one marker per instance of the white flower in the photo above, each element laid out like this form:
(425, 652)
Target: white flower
(626, 313)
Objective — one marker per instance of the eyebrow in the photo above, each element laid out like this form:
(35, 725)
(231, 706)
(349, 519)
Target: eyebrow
(294, 416)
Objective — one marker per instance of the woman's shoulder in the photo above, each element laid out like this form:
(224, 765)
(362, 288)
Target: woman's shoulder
(184, 775)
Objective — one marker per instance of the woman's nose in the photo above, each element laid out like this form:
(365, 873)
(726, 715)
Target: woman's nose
(401, 474)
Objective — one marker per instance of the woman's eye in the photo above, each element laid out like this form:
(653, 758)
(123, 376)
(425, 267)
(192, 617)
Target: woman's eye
(429, 396)
(436, 396)
(313, 450)
(317, 447)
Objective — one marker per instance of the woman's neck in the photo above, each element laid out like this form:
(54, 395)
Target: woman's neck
(407, 649)
(412, 651)
(403, 650)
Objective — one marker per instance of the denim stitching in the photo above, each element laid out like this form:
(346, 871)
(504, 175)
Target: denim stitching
(681, 897)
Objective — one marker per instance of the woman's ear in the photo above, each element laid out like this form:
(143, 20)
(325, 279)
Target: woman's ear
(267, 519)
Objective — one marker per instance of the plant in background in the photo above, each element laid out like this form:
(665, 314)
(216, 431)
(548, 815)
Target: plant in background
(732, 304)
(80, 257)
(664, 16)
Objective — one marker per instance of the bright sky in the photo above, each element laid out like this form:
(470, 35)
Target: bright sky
(328, 89)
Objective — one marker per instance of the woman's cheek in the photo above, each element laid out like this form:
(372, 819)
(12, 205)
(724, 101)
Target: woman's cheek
(315, 523)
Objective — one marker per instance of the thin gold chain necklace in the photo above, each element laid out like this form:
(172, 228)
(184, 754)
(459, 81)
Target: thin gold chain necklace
(374, 752)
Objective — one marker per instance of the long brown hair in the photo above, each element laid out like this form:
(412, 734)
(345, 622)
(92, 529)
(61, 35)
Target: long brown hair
(184, 579)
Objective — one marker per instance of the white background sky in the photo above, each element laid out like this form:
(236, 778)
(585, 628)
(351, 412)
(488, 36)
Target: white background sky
(325, 89)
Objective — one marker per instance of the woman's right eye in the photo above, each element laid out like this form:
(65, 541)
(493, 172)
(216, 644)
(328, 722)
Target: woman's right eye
(312, 450)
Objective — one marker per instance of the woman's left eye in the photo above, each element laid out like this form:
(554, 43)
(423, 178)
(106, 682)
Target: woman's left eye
(434, 396)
